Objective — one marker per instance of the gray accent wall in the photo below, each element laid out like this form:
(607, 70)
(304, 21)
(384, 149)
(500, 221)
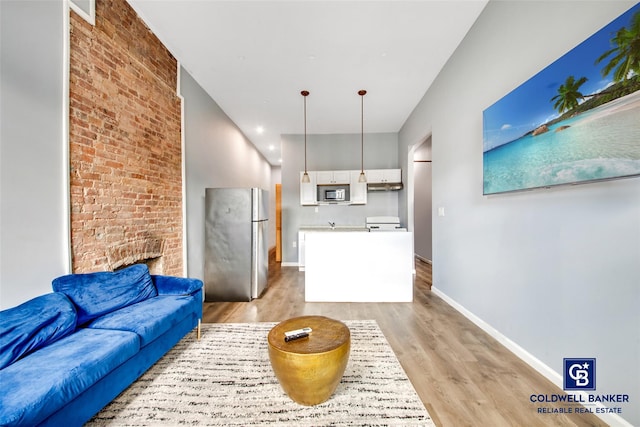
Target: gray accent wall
(555, 271)
(34, 240)
(332, 152)
(217, 154)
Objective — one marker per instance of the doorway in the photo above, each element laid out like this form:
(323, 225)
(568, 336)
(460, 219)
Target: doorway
(278, 222)
(422, 199)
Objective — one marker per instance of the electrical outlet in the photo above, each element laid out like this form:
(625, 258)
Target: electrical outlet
(295, 244)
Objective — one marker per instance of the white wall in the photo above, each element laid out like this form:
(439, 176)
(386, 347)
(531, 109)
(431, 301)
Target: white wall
(556, 271)
(217, 154)
(34, 239)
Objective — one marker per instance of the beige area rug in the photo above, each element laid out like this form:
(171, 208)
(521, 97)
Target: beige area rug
(226, 380)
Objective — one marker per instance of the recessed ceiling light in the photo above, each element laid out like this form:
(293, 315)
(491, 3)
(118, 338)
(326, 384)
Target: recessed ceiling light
(280, 160)
(271, 148)
(260, 129)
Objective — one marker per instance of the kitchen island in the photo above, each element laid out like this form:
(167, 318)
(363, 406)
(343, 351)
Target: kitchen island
(343, 266)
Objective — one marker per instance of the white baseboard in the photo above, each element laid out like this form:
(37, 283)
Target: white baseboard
(423, 259)
(528, 358)
(534, 362)
(289, 264)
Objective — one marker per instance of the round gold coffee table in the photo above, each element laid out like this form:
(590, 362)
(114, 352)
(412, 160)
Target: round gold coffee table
(309, 369)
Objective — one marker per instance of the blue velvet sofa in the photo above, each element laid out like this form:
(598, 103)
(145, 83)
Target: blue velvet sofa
(65, 355)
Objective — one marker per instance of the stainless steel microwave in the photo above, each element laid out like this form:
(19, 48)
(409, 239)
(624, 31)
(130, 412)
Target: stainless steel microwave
(333, 193)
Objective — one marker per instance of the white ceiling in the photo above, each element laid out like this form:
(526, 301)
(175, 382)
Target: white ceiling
(254, 58)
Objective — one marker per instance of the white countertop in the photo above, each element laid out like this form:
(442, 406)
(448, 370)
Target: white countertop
(307, 228)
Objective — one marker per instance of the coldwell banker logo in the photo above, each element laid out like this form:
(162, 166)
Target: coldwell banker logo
(579, 374)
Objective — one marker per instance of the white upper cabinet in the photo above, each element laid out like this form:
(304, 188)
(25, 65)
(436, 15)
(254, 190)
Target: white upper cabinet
(333, 177)
(358, 190)
(381, 176)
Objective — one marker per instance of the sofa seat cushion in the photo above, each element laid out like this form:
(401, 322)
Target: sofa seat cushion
(36, 386)
(149, 319)
(34, 324)
(96, 294)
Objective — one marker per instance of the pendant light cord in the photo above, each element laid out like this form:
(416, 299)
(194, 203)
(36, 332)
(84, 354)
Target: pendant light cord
(362, 177)
(305, 93)
(305, 176)
(362, 130)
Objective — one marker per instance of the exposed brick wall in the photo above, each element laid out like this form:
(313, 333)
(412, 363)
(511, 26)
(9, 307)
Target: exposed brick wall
(125, 142)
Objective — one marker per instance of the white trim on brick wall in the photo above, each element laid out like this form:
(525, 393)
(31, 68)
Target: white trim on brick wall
(184, 174)
(66, 54)
(79, 7)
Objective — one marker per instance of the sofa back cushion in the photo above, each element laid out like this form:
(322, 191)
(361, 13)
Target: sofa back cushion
(95, 294)
(33, 325)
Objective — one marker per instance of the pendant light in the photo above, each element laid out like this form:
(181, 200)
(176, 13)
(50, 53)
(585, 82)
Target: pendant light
(305, 176)
(362, 177)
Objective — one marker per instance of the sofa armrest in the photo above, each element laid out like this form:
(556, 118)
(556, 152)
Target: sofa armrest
(171, 285)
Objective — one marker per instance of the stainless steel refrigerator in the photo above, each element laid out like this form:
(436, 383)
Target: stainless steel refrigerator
(236, 253)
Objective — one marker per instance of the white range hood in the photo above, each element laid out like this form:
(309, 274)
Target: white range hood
(384, 186)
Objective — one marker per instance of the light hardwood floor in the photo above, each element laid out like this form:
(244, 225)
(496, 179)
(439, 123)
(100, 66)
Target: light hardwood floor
(463, 376)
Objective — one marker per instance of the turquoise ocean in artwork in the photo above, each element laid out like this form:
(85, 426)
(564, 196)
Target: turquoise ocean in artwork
(601, 143)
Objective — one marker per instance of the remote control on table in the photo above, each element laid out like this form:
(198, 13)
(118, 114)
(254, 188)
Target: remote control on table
(297, 334)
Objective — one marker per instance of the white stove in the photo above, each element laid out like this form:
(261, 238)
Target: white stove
(384, 223)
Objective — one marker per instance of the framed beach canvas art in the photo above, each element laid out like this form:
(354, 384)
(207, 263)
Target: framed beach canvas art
(577, 120)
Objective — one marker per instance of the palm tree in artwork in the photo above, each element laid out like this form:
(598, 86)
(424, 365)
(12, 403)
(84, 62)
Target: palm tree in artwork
(568, 94)
(626, 52)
